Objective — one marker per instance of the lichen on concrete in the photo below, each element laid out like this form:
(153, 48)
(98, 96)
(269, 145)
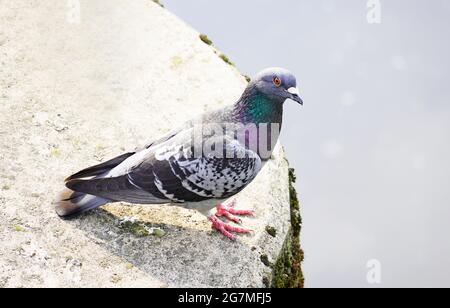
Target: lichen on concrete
(272, 231)
(134, 227)
(226, 59)
(158, 2)
(265, 260)
(205, 39)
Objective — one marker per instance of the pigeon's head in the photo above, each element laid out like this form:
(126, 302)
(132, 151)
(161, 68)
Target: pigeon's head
(277, 83)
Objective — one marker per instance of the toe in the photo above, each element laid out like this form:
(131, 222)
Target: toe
(242, 212)
(237, 229)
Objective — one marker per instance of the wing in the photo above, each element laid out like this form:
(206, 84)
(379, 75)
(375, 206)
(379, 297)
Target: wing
(182, 177)
(101, 168)
(171, 172)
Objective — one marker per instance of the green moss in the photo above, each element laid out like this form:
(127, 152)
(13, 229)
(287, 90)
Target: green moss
(265, 260)
(272, 231)
(158, 2)
(134, 228)
(158, 232)
(205, 39)
(139, 228)
(226, 59)
(287, 271)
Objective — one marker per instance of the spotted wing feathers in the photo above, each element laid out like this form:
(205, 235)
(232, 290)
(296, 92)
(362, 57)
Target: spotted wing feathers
(173, 174)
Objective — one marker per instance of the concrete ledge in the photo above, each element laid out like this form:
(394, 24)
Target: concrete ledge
(75, 94)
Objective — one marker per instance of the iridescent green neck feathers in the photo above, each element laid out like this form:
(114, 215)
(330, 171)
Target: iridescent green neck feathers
(256, 107)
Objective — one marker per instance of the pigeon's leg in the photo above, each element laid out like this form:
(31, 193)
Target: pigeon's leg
(228, 211)
(226, 229)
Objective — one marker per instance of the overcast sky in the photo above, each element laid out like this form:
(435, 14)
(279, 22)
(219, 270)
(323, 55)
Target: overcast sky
(371, 146)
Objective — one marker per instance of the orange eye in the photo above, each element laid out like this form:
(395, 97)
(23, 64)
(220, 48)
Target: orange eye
(277, 81)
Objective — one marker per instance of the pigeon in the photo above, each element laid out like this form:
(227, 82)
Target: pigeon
(199, 165)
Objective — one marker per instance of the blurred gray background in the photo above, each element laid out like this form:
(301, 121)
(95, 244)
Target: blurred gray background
(371, 145)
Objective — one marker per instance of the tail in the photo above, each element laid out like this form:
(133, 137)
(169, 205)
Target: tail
(71, 203)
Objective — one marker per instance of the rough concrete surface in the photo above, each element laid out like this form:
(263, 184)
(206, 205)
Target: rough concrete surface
(74, 94)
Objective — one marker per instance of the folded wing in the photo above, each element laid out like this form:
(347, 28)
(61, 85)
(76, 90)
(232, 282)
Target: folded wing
(170, 172)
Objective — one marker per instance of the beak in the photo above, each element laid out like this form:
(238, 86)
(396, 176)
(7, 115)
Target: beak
(295, 95)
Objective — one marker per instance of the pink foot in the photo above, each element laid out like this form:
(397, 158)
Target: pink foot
(228, 211)
(225, 229)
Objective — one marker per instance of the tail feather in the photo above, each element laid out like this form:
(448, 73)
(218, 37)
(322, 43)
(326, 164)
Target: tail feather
(71, 203)
(101, 168)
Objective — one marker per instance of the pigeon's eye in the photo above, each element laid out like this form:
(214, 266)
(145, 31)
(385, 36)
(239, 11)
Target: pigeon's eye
(277, 81)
